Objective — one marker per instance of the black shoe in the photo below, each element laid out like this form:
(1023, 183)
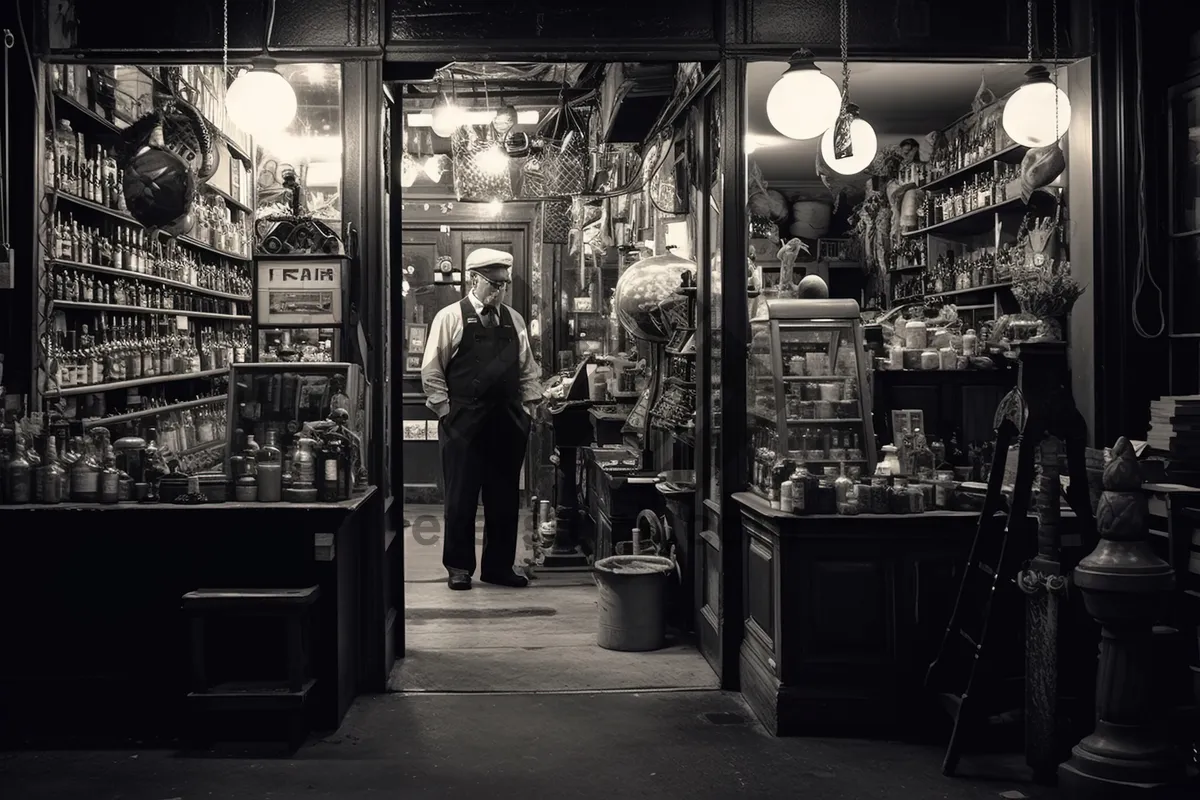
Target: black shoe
(510, 579)
(459, 579)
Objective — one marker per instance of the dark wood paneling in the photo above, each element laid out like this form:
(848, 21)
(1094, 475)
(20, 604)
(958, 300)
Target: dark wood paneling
(930, 28)
(149, 26)
(546, 21)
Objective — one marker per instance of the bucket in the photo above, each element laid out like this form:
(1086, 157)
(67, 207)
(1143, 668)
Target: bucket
(632, 604)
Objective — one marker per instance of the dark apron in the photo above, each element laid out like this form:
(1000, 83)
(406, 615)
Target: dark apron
(483, 440)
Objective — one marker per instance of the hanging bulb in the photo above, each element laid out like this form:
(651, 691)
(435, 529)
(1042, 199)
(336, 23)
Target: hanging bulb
(493, 160)
(435, 167)
(447, 118)
(864, 144)
(260, 101)
(1039, 113)
(804, 102)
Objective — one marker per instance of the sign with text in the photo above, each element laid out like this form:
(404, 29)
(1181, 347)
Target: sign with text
(305, 291)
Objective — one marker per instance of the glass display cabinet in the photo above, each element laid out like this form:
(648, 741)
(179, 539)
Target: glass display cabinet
(312, 414)
(805, 399)
(1183, 123)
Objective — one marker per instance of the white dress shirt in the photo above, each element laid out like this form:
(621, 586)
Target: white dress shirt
(445, 335)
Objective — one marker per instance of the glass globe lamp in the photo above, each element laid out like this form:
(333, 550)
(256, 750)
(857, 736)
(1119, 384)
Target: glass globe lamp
(1039, 113)
(863, 141)
(447, 118)
(260, 101)
(804, 102)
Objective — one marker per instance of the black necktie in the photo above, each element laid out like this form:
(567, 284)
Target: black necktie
(489, 316)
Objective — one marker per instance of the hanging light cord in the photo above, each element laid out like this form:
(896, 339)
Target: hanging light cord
(1144, 273)
(225, 44)
(1029, 30)
(270, 25)
(844, 13)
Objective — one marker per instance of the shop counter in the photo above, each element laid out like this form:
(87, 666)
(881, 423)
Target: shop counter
(97, 649)
(844, 615)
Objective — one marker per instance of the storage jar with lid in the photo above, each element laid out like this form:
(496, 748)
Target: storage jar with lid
(916, 335)
(970, 342)
(930, 360)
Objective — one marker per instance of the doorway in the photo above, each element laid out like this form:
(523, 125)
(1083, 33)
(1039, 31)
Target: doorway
(540, 638)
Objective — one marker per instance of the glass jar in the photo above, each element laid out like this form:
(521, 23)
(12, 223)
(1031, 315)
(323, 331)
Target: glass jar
(930, 360)
(896, 356)
(891, 460)
(970, 342)
(916, 335)
(879, 495)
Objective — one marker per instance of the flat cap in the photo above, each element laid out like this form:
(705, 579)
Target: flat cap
(487, 257)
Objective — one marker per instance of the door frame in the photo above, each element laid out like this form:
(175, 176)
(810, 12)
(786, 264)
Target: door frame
(732, 466)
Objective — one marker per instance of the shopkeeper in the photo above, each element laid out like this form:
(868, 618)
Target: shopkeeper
(481, 380)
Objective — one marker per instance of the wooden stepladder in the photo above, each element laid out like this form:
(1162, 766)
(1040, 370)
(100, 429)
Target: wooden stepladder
(1041, 414)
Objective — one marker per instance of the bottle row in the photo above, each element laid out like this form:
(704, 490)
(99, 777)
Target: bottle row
(122, 349)
(82, 287)
(980, 191)
(180, 429)
(128, 248)
(316, 468)
(83, 169)
(963, 148)
(983, 267)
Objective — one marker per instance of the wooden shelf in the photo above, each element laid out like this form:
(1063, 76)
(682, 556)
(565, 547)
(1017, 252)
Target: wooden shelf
(153, 412)
(79, 110)
(999, 155)
(138, 276)
(126, 219)
(991, 287)
(100, 388)
(162, 312)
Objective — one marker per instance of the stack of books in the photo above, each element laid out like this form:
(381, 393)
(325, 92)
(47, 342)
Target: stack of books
(1174, 437)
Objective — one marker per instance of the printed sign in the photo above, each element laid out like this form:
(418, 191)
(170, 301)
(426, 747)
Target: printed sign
(300, 292)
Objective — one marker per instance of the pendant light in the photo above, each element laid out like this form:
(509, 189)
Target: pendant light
(850, 144)
(260, 101)
(804, 102)
(1039, 113)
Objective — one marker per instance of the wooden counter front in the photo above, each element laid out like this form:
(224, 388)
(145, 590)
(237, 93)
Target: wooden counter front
(844, 615)
(96, 648)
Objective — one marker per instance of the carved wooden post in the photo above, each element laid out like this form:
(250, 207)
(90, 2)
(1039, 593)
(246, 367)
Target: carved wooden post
(1044, 586)
(1123, 585)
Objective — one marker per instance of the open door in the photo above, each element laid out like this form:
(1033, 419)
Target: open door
(717, 566)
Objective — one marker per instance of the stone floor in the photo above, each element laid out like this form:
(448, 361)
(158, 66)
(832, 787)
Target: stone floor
(696, 744)
(542, 638)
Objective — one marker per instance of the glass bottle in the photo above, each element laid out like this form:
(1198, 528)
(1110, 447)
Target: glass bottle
(922, 457)
(50, 476)
(85, 473)
(270, 470)
(329, 469)
(19, 476)
(304, 465)
(842, 485)
(110, 478)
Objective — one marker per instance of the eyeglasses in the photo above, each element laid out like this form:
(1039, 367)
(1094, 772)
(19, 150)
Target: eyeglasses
(497, 285)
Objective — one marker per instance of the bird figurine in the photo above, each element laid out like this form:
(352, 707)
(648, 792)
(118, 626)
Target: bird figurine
(787, 258)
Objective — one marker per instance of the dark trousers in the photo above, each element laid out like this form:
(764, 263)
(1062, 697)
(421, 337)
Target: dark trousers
(483, 448)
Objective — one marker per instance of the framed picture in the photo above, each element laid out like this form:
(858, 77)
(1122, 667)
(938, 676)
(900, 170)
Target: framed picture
(414, 338)
(300, 290)
(414, 430)
(431, 430)
(906, 420)
(412, 363)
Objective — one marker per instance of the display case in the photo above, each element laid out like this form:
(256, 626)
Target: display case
(305, 345)
(805, 398)
(313, 414)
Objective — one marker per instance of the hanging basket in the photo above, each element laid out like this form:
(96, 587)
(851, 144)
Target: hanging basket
(475, 159)
(556, 221)
(565, 152)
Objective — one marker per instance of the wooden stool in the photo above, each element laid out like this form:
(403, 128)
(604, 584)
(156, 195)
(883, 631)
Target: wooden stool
(283, 697)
